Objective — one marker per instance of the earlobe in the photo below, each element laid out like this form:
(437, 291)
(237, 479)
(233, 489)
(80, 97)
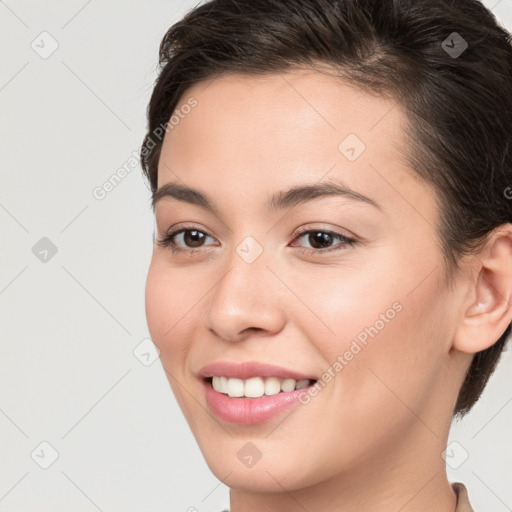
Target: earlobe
(488, 311)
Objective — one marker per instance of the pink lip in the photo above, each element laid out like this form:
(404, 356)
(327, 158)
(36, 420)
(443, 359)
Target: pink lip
(248, 369)
(250, 411)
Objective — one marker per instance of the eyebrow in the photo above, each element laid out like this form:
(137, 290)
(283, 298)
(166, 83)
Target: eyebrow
(284, 199)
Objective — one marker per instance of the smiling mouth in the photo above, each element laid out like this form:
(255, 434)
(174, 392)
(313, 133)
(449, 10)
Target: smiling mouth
(256, 387)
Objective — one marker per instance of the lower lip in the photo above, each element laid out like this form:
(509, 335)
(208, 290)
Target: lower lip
(250, 411)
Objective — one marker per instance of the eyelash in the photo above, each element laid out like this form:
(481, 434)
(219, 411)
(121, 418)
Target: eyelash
(167, 241)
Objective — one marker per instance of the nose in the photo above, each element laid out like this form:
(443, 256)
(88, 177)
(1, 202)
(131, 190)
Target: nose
(247, 299)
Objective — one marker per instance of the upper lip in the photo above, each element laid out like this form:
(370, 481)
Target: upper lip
(248, 369)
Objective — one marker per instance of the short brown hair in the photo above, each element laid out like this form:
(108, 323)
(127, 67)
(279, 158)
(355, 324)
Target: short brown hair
(459, 107)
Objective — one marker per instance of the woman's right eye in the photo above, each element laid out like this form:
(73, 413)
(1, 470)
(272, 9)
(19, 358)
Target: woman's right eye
(191, 237)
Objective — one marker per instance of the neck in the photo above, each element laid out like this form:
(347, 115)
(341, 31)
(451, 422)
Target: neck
(409, 477)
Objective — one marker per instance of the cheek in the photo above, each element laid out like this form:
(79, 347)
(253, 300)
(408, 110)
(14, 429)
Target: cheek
(169, 309)
(382, 337)
(157, 301)
(338, 304)
(169, 318)
(397, 345)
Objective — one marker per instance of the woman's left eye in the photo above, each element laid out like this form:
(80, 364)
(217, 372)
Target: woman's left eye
(194, 238)
(319, 237)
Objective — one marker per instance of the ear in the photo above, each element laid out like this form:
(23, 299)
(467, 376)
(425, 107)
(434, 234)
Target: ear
(487, 310)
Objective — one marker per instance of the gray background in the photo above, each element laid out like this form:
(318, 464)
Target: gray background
(73, 371)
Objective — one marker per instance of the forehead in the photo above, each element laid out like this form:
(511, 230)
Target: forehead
(280, 116)
(302, 100)
(259, 133)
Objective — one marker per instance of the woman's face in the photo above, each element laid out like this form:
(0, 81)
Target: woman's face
(274, 282)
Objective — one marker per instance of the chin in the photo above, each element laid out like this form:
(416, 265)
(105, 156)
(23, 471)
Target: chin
(274, 465)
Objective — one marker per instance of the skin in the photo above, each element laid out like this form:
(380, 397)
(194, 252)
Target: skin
(372, 439)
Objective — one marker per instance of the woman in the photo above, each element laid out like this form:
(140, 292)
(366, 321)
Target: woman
(331, 279)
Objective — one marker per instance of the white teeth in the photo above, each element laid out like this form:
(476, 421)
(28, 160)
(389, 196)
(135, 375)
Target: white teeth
(220, 384)
(272, 386)
(288, 385)
(302, 384)
(256, 387)
(235, 387)
(223, 382)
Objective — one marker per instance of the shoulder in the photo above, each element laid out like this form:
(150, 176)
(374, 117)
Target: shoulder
(463, 504)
